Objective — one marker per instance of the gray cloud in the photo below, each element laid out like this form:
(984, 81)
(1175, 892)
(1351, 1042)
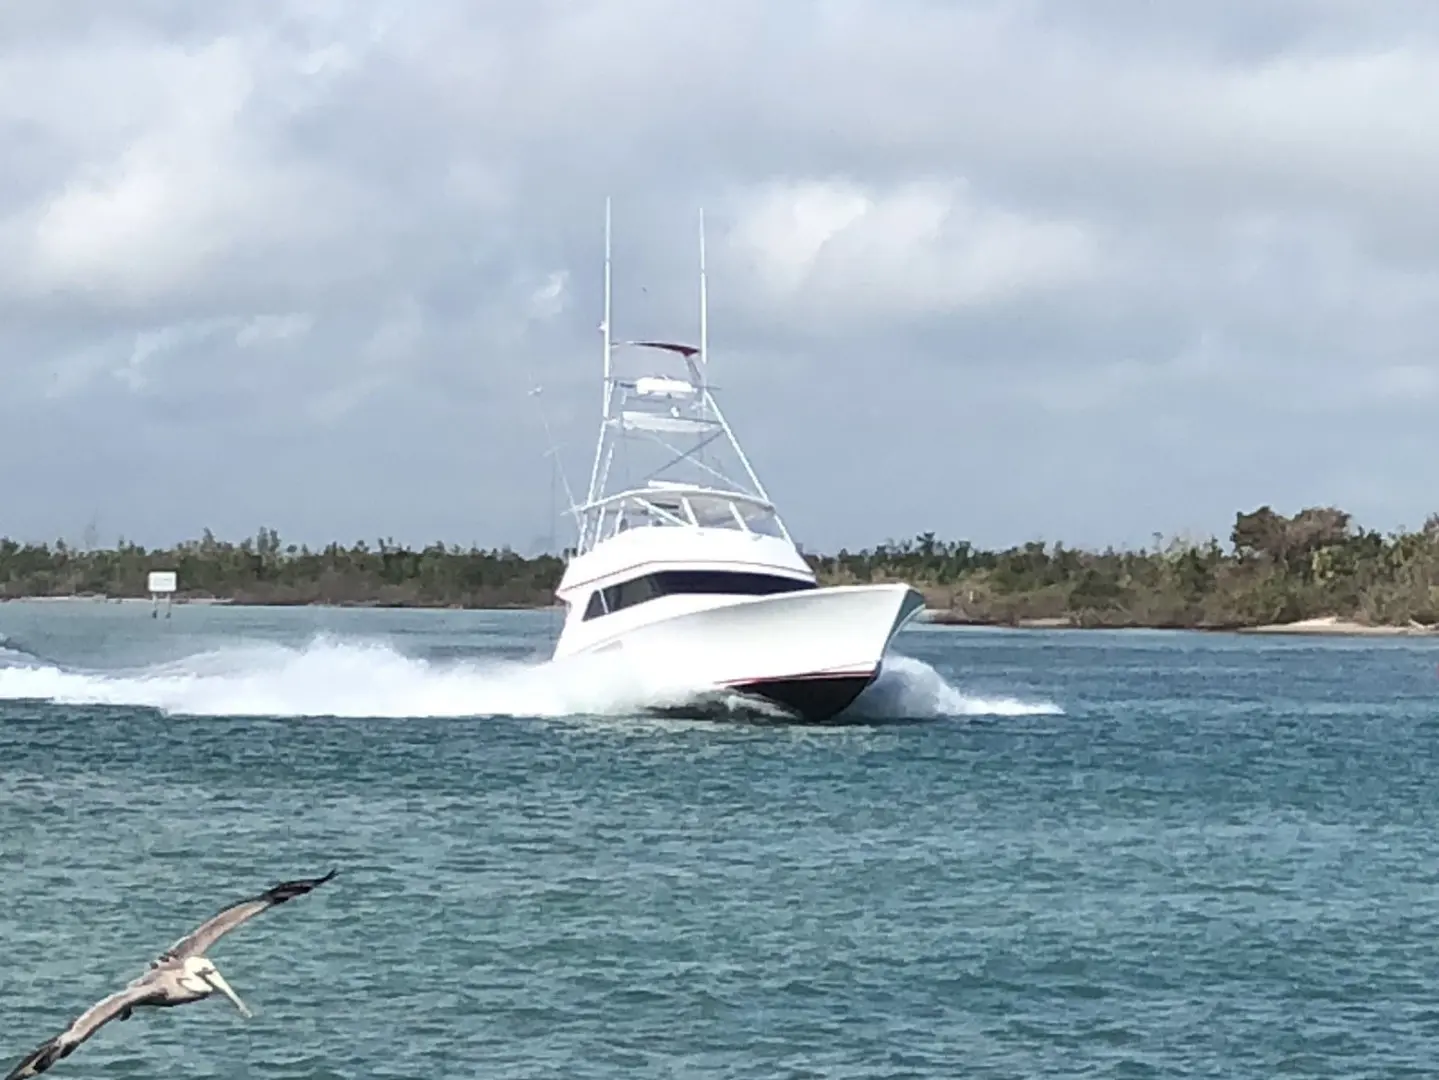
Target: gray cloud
(1000, 270)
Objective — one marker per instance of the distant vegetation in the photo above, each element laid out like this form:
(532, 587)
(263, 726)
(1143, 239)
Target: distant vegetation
(1274, 569)
(262, 570)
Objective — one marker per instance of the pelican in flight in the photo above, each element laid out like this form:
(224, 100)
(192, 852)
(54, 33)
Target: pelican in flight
(179, 975)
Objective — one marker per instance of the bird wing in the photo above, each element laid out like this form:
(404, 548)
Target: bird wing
(199, 940)
(84, 1025)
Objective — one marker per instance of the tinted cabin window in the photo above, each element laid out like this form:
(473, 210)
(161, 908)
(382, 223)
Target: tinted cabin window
(679, 582)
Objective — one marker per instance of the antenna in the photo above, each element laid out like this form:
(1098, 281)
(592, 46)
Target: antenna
(704, 302)
(553, 451)
(608, 381)
(605, 326)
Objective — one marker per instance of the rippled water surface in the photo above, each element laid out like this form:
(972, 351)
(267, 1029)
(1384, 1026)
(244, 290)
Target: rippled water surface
(1033, 854)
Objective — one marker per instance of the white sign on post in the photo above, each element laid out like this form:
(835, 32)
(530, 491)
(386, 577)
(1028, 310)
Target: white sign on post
(162, 583)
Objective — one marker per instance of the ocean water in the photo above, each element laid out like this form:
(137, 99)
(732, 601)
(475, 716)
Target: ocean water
(1078, 854)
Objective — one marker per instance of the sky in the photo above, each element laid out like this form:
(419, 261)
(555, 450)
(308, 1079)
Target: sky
(1002, 271)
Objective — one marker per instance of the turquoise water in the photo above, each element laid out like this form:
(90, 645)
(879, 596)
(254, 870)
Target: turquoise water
(1038, 854)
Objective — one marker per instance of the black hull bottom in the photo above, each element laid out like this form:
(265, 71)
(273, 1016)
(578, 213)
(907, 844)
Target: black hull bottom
(814, 699)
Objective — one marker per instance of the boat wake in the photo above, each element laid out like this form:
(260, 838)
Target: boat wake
(328, 677)
(910, 689)
(13, 653)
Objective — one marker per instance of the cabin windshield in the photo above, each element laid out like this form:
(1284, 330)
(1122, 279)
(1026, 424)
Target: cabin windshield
(712, 513)
(761, 519)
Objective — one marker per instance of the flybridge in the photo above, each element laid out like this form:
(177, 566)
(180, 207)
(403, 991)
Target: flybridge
(666, 455)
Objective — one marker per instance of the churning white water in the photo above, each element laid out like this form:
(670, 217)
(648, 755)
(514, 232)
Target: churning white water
(338, 677)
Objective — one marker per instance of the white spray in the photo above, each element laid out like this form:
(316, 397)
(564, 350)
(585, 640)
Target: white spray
(330, 677)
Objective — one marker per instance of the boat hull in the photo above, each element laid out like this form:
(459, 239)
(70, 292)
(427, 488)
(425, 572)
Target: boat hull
(815, 699)
(811, 652)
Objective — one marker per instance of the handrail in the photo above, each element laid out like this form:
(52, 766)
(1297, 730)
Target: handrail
(645, 493)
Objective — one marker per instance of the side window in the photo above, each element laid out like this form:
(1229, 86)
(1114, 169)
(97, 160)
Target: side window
(629, 593)
(668, 582)
(737, 583)
(596, 607)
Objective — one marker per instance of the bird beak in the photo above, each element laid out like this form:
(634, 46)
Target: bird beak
(215, 979)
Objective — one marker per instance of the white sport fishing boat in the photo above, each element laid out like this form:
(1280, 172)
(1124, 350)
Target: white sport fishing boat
(682, 561)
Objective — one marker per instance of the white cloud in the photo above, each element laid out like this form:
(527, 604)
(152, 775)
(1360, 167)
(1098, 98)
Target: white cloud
(164, 186)
(837, 250)
(551, 298)
(138, 369)
(269, 329)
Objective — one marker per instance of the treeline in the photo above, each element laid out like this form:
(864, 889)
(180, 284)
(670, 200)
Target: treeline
(1273, 569)
(261, 570)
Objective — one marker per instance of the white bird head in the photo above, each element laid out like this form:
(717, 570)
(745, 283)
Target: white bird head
(201, 974)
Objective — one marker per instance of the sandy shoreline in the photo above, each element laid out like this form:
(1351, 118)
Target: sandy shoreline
(203, 600)
(1332, 625)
